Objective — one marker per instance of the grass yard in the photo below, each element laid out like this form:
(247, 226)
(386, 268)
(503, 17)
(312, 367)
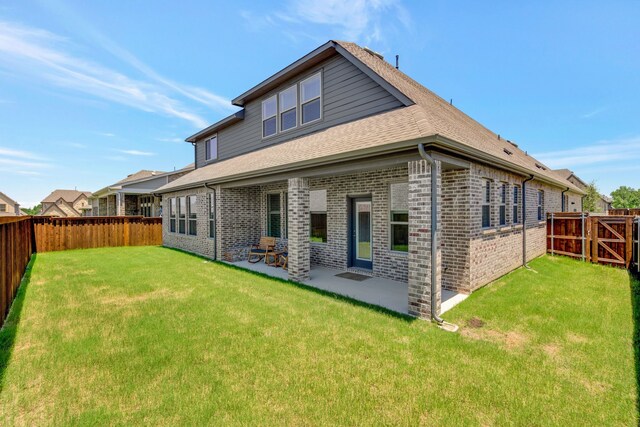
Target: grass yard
(123, 336)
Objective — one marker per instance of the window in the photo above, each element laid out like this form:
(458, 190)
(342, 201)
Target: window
(540, 205)
(516, 204)
(3, 207)
(288, 108)
(146, 206)
(310, 90)
(285, 217)
(172, 214)
(486, 204)
(399, 216)
(273, 215)
(502, 210)
(212, 215)
(318, 207)
(193, 215)
(269, 114)
(211, 148)
(182, 214)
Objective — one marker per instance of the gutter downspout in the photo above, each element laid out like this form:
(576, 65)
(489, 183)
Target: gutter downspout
(215, 216)
(434, 232)
(582, 203)
(524, 221)
(563, 204)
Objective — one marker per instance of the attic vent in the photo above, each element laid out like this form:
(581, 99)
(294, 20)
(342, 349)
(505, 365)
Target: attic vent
(507, 151)
(373, 52)
(512, 143)
(539, 166)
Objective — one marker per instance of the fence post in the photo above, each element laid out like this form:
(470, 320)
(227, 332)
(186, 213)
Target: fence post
(126, 231)
(638, 241)
(583, 240)
(628, 236)
(552, 234)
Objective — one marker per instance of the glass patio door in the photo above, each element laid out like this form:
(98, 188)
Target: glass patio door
(361, 233)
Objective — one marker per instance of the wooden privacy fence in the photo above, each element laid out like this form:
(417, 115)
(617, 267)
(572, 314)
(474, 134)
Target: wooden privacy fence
(616, 212)
(59, 234)
(610, 239)
(21, 236)
(16, 247)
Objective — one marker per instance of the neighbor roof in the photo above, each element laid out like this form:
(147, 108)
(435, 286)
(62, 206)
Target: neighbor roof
(429, 117)
(66, 195)
(567, 173)
(142, 174)
(7, 198)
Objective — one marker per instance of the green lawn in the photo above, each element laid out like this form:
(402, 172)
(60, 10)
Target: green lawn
(123, 336)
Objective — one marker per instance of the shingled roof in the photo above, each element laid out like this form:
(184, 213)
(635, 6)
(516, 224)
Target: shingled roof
(428, 117)
(69, 196)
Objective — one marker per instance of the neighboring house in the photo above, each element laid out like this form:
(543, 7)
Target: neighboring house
(325, 156)
(604, 203)
(135, 194)
(8, 206)
(571, 202)
(66, 203)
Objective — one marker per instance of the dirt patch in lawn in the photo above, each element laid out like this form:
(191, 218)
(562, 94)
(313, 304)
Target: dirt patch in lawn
(123, 300)
(511, 340)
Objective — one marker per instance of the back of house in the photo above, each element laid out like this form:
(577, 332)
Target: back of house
(333, 157)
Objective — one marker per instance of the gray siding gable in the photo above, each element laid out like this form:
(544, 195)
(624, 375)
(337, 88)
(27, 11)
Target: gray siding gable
(348, 94)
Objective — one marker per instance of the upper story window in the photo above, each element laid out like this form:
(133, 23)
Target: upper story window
(3, 207)
(310, 94)
(269, 116)
(288, 108)
(211, 148)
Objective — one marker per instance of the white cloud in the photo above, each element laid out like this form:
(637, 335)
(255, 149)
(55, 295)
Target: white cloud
(76, 145)
(42, 55)
(11, 164)
(137, 153)
(176, 140)
(19, 154)
(600, 153)
(595, 112)
(364, 21)
(107, 134)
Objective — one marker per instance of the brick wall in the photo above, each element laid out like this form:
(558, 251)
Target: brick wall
(334, 253)
(200, 243)
(497, 250)
(299, 262)
(456, 229)
(239, 221)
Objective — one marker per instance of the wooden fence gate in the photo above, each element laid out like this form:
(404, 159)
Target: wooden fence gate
(611, 240)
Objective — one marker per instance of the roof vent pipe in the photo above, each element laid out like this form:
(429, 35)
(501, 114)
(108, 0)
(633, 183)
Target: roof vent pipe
(397, 62)
(434, 240)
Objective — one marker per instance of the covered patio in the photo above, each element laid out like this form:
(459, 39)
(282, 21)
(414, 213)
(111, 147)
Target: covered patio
(389, 294)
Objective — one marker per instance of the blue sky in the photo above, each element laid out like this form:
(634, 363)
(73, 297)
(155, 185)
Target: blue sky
(93, 91)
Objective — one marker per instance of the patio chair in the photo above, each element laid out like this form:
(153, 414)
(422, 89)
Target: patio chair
(260, 251)
(283, 258)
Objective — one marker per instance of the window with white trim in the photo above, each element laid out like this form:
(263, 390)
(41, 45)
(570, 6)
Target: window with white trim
(269, 116)
(274, 216)
(288, 108)
(399, 216)
(486, 203)
(318, 208)
(310, 102)
(3, 207)
(502, 208)
(182, 215)
(212, 215)
(540, 205)
(192, 214)
(517, 204)
(211, 148)
(172, 214)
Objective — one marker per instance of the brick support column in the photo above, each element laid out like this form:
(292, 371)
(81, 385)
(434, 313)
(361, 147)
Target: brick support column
(299, 223)
(120, 208)
(420, 298)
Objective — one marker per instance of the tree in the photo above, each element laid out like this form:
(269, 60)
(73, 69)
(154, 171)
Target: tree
(590, 202)
(626, 198)
(32, 211)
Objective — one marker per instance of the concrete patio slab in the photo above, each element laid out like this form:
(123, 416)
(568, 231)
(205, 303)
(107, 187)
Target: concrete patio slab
(377, 291)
